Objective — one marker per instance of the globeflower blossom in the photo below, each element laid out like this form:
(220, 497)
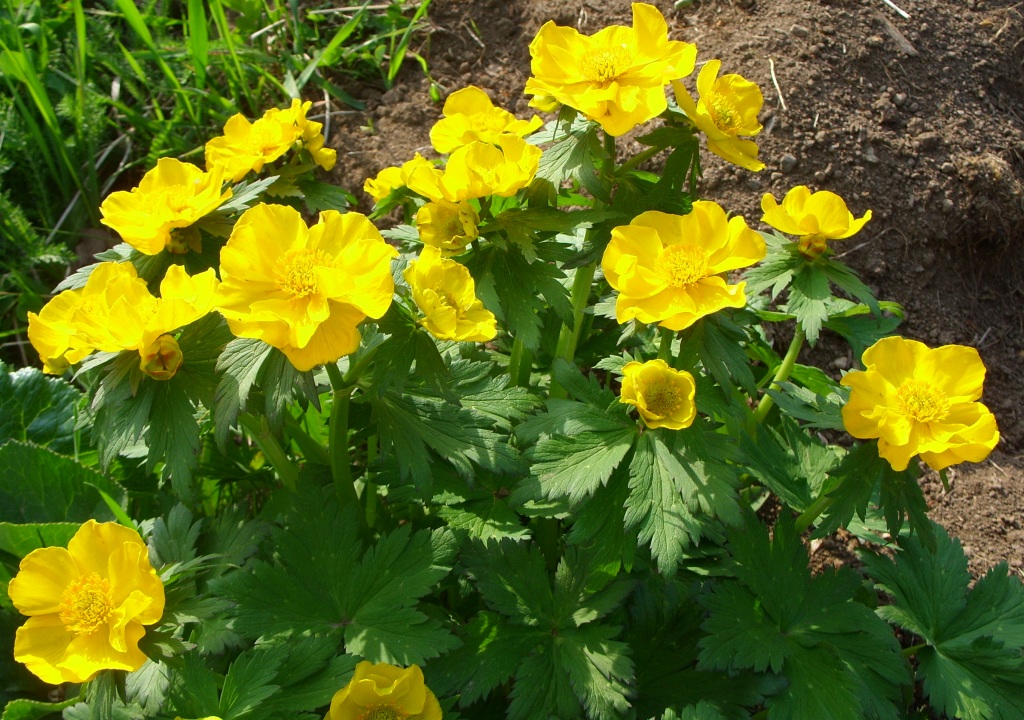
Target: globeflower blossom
(661, 394)
(448, 226)
(667, 268)
(616, 77)
(391, 178)
(478, 170)
(470, 116)
(386, 692)
(814, 218)
(444, 291)
(87, 605)
(920, 401)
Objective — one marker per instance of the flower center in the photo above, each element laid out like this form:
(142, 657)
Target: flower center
(383, 712)
(682, 265)
(265, 137)
(922, 401)
(86, 604)
(605, 64)
(296, 274)
(662, 398)
(724, 113)
(174, 197)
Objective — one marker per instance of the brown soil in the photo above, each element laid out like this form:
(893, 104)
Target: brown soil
(921, 120)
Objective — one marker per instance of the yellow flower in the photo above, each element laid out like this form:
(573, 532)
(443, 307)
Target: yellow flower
(617, 76)
(172, 195)
(86, 605)
(667, 267)
(662, 395)
(246, 146)
(445, 292)
(728, 108)
(447, 226)
(813, 218)
(469, 116)
(392, 178)
(480, 169)
(385, 692)
(920, 401)
(304, 289)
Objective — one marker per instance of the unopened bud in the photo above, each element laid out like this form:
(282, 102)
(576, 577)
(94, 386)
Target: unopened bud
(162, 358)
(812, 246)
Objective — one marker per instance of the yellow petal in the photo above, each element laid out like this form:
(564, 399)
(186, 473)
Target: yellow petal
(956, 370)
(42, 577)
(94, 543)
(41, 644)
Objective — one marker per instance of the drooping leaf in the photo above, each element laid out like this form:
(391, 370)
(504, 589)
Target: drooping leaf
(37, 409)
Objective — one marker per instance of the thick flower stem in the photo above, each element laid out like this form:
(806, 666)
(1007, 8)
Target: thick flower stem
(568, 338)
(341, 461)
(520, 364)
(638, 159)
(808, 516)
(665, 348)
(781, 375)
(260, 434)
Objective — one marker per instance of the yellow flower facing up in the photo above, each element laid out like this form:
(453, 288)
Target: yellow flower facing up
(920, 401)
(171, 196)
(392, 178)
(814, 218)
(87, 605)
(478, 170)
(385, 692)
(667, 267)
(617, 76)
(726, 111)
(246, 146)
(302, 289)
(444, 291)
(448, 226)
(470, 116)
(662, 395)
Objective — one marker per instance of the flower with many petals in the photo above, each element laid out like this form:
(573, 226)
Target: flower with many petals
(302, 289)
(385, 692)
(726, 112)
(920, 401)
(87, 605)
(447, 226)
(171, 197)
(444, 291)
(667, 268)
(478, 170)
(661, 394)
(616, 77)
(391, 178)
(470, 116)
(814, 218)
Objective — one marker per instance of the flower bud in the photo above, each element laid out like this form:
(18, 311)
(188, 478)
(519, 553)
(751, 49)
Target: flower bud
(162, 358)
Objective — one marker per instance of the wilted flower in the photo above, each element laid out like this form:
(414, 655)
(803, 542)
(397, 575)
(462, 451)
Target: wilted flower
(86, 604)
(392, 178)
(385, 692)
(920, 401)
(470, 116)
(617, 76)
(667, 267)
(727, 109)
(478, 170)
(444, 290)
(304, 290)
(813, 218)
(171, 196)
(447, 226)
(662, 395)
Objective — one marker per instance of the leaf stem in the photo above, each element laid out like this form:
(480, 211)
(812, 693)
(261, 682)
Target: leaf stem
(337, 439)
(520, 364)
(665, 348)
(569, 338)
(260, 434)
(371, 488)
(781, 375)
(638, 159)
(808, 516)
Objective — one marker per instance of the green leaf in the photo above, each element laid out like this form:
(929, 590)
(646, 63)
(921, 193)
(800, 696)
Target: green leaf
(863, 331)
(572, 156)
(34, 710)
(808, 299)
(513, 579)
(37, 409)
(816, 411)
(320, 196)
(238, 367)
(248, 683)
(542, 689)
(600, 669)
(847, 280)
(776, 271)
(21, 539)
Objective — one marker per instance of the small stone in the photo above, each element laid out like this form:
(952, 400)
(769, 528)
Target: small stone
(947, 168)
(869, 155)
(899, 99)
(776, 176)
(464, 67)
(929, 140)
(788, 163)
(919, 268)
(841, 363)
(392, 96)
(753, 183)
(820, 177)
(947, 205)
(799, 31)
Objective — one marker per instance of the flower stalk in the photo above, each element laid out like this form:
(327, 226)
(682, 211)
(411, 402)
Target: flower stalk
(341, 461)
(781, 375)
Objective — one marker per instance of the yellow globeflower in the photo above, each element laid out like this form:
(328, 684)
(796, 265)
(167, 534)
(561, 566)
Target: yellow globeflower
(469, 116)
(304, 289)
(171, 196)
(447, 226)
(392, 178)
(86, 605)
(920, 401)
(667, 268)
(727, 109)
(480, 169)
(813, 217)
(445, 292)
(617, 76)
(662, 395)
(385, 692)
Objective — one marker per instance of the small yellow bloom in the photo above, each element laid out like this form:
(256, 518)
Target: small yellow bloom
(86, 605)
(470, 116)
(162, 358)
(616, 77)
(920, 401)
(445, 292)
(667, 267)
(448, 226)
(813, 218)
(171, 196)
(727, 109)
(385, 692)
(478, 170)
(392, 178)
(302, 289)
(662, 395)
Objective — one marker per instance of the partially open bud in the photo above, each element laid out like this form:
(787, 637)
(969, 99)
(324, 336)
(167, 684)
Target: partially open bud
(162, 358)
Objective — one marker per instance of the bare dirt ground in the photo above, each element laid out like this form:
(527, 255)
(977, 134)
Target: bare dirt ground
(919, 119)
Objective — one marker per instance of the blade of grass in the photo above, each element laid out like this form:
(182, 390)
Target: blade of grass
(224, 32)
(398, 55)
(332, 52)
(198, 40)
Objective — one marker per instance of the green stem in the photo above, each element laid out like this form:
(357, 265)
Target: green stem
(260, 433)
(569, 338)
(638, 159)
(608, 163)
(520, 364)
(665, 349)
(371, 488)
(781, 375)
(337, 439)
(914, 650)
(808, 516)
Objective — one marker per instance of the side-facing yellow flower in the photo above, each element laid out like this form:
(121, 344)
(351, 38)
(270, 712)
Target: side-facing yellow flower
(86, 604)
(920, 401)
(448, 226)
(470, 116)
(661, 394)
(385, 692)
(727, 109)
(392, 178)
(617, 76)
(445, 292)
(480, 169)
(172, 195)
(667, 267)
(302, 289)
(814, 218)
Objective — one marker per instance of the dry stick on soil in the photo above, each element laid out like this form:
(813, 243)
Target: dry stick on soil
(902, 44)
(898, 9)
(775, 82)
